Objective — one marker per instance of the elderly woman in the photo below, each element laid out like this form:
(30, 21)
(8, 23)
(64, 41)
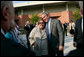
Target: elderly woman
(38, 39)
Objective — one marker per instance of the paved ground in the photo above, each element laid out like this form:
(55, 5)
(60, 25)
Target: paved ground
(68, 43)
(22, 40)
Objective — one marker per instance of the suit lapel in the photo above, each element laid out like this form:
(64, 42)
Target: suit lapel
(51, 25)
(79, 26)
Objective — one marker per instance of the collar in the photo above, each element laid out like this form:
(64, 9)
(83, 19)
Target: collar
(50, 20)
(2, 31)
(82, 19)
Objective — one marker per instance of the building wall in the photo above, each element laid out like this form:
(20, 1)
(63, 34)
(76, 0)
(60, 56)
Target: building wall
(22, 20)
(53, 9)
(38, 9)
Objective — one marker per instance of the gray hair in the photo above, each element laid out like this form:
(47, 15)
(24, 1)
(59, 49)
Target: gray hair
(6, 3)
(46, 13)
(81, 4)
(12, 23)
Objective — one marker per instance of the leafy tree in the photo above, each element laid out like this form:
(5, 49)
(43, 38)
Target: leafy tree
(76, 15)
(34, 18)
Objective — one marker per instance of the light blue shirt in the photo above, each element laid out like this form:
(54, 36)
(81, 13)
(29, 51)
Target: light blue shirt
(49, 26)
(49, 31)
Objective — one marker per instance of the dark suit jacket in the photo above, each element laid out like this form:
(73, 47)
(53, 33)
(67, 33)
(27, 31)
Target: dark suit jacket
(78, 37)
(57, 34)
(10, 48)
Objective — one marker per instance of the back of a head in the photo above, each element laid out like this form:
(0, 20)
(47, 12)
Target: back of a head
(6, 14)
(5, 3)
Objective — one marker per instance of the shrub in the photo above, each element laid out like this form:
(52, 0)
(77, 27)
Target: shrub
(76, 15)
(34, 18)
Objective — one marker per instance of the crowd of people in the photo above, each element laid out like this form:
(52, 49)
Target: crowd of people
(46, 38)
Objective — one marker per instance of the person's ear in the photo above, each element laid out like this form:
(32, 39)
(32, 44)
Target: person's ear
(5, 13)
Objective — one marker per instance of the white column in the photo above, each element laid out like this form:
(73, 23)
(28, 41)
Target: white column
(21, 11)
(67, 7)
(43, 8)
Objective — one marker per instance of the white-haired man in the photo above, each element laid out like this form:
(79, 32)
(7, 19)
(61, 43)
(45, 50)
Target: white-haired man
(9, 47)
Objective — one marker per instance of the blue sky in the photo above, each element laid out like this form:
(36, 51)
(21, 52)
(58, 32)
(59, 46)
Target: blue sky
(15, 2)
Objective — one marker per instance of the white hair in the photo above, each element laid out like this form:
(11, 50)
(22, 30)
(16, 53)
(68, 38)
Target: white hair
(6, 3)
(81, 4)
(12, 23)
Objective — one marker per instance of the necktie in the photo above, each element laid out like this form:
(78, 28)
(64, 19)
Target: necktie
(47, 30)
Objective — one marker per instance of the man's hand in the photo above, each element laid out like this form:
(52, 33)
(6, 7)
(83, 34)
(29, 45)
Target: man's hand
(60, 48)
(75, 44)
(35, 44)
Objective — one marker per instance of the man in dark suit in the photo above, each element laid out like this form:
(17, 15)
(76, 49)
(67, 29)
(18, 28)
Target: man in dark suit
(78, 40)
(65, 29)
(9, 47)
(78, 37)
(55, 35)
(28, 27)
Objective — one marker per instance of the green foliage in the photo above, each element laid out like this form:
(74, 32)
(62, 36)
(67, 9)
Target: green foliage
(76, 15)
(34, 18)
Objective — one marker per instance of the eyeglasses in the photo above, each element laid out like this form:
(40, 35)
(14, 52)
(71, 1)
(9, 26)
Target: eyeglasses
(41, 22)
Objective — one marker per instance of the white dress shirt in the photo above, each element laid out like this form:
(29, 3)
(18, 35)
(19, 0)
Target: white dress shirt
(49, 27)
(82, 24)
(2, 32)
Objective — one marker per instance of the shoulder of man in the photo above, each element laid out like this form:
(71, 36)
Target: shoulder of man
(55, 20)
(9, 47)
(79, 20)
